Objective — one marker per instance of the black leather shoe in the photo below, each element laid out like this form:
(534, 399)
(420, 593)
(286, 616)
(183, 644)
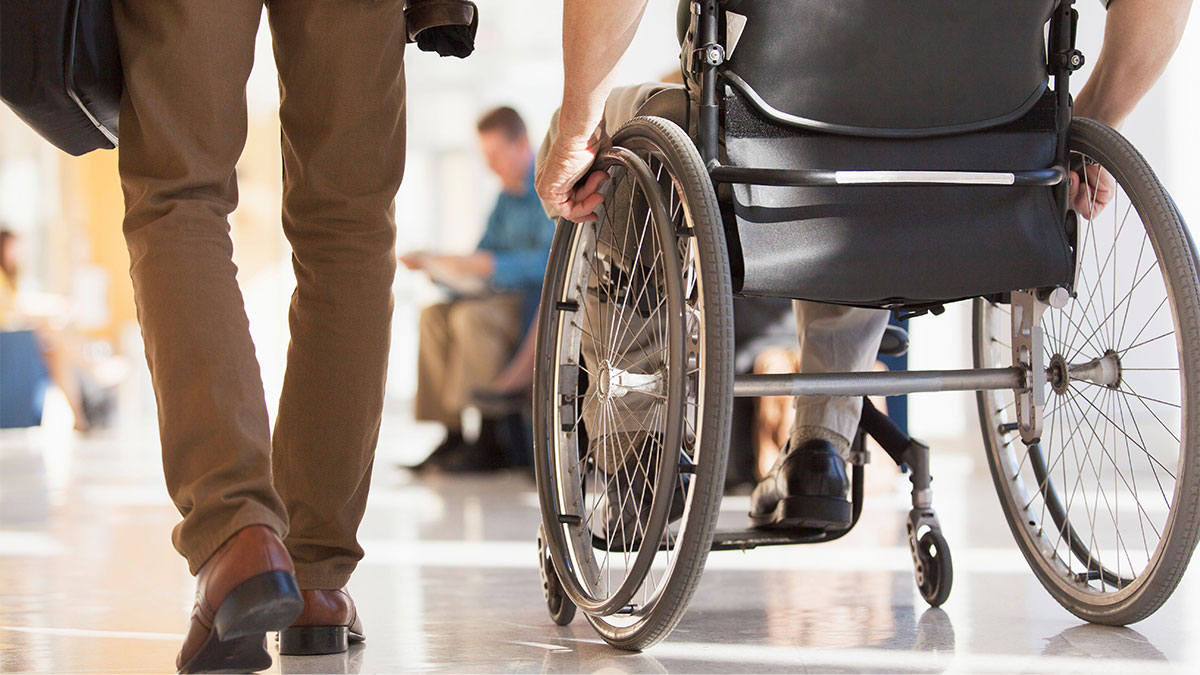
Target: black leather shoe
(452, 444)
(806, 489)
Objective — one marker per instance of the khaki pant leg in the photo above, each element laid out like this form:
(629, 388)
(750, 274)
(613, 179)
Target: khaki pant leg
(835, 339)
(341, 78)
(484, 333)
(433, 364)
(183, 126)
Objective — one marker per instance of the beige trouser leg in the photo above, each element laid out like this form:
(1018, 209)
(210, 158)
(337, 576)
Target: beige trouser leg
(434, 351)
(834, 339)
(463, 347)
(341, 74)
(183, 127)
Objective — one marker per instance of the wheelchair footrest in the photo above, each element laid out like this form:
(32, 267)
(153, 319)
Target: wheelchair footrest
(744, 540)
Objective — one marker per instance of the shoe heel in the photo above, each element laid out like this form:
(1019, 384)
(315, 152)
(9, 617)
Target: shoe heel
(309, 640)
(269, 601)
(823, 513)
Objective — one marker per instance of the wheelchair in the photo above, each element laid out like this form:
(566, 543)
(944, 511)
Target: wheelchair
(898, 156)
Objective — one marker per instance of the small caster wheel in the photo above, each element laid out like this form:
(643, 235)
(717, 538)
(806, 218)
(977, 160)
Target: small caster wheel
(561, 609)
(935, 570)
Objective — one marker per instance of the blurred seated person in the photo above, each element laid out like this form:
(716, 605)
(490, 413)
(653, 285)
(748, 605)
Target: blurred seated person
(465, 343)
(57, 350)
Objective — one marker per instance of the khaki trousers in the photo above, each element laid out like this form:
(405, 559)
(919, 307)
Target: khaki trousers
(835, 339)
(463, 347)
(832, 338)
(183, 127)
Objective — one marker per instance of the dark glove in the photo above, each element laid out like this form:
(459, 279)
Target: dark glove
(443, 26)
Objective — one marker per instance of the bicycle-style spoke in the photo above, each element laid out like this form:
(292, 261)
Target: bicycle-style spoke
(619, 418)
(1098, 455)
(1095, 502)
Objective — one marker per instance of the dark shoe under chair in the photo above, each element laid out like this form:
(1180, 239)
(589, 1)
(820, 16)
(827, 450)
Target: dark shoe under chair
(246, 588)
(805, 489)
(453, 444)
(329, 624)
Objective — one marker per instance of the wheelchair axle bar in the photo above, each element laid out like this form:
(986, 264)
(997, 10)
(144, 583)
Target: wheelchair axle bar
(878, 383)
(819, 177)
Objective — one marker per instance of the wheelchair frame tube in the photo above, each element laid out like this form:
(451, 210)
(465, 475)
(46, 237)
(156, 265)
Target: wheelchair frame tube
(878, 383)
(819, 177)
(1061, 51)
(710, 108)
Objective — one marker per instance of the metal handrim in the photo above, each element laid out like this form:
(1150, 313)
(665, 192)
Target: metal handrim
(694, 341)
(574, 536)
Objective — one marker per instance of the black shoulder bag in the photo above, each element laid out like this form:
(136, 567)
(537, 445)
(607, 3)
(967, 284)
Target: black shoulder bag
(60, 71)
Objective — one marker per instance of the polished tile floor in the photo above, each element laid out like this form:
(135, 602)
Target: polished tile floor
(90, 583)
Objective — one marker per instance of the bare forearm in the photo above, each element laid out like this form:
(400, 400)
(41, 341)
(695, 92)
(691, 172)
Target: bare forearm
(596, 34)
(478, 265)
(1140, 36)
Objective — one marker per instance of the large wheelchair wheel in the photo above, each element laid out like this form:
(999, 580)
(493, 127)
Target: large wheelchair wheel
(1105, 507)
(633, 388)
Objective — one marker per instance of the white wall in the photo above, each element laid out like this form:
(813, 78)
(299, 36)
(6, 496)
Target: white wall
(447, 190)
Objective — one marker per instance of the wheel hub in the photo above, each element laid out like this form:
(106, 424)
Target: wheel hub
(1058, 374)
(616, 382)
(1104, 371)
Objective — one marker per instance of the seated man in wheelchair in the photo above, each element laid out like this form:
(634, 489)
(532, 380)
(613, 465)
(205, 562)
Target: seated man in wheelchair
(808, 485)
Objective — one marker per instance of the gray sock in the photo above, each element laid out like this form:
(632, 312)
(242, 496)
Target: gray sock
(814, 433)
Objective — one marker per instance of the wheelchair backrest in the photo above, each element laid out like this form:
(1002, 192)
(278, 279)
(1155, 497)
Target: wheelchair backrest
(879, 86)
(888, 68)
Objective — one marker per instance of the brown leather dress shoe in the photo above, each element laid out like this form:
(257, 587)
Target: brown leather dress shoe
(328, 624)
(248, 587)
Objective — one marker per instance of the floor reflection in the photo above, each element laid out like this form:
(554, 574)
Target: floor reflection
(935, 632)
(1098, 642)
(90, 583)
(350, 662)
(588, 657)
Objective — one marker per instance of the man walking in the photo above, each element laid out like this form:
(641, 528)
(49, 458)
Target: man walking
(269, 520)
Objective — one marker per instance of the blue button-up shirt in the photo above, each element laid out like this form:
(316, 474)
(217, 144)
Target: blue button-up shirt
(518, 236)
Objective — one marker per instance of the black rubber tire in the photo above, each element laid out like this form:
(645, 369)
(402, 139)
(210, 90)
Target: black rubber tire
(1130, 599)
(677, 156)
(938, 568)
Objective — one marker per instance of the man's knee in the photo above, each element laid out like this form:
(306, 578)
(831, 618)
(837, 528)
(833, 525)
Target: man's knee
(491, 319)
(468, 317)
(433, 317)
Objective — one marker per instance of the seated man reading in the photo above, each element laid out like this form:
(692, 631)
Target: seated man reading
(466, 342)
